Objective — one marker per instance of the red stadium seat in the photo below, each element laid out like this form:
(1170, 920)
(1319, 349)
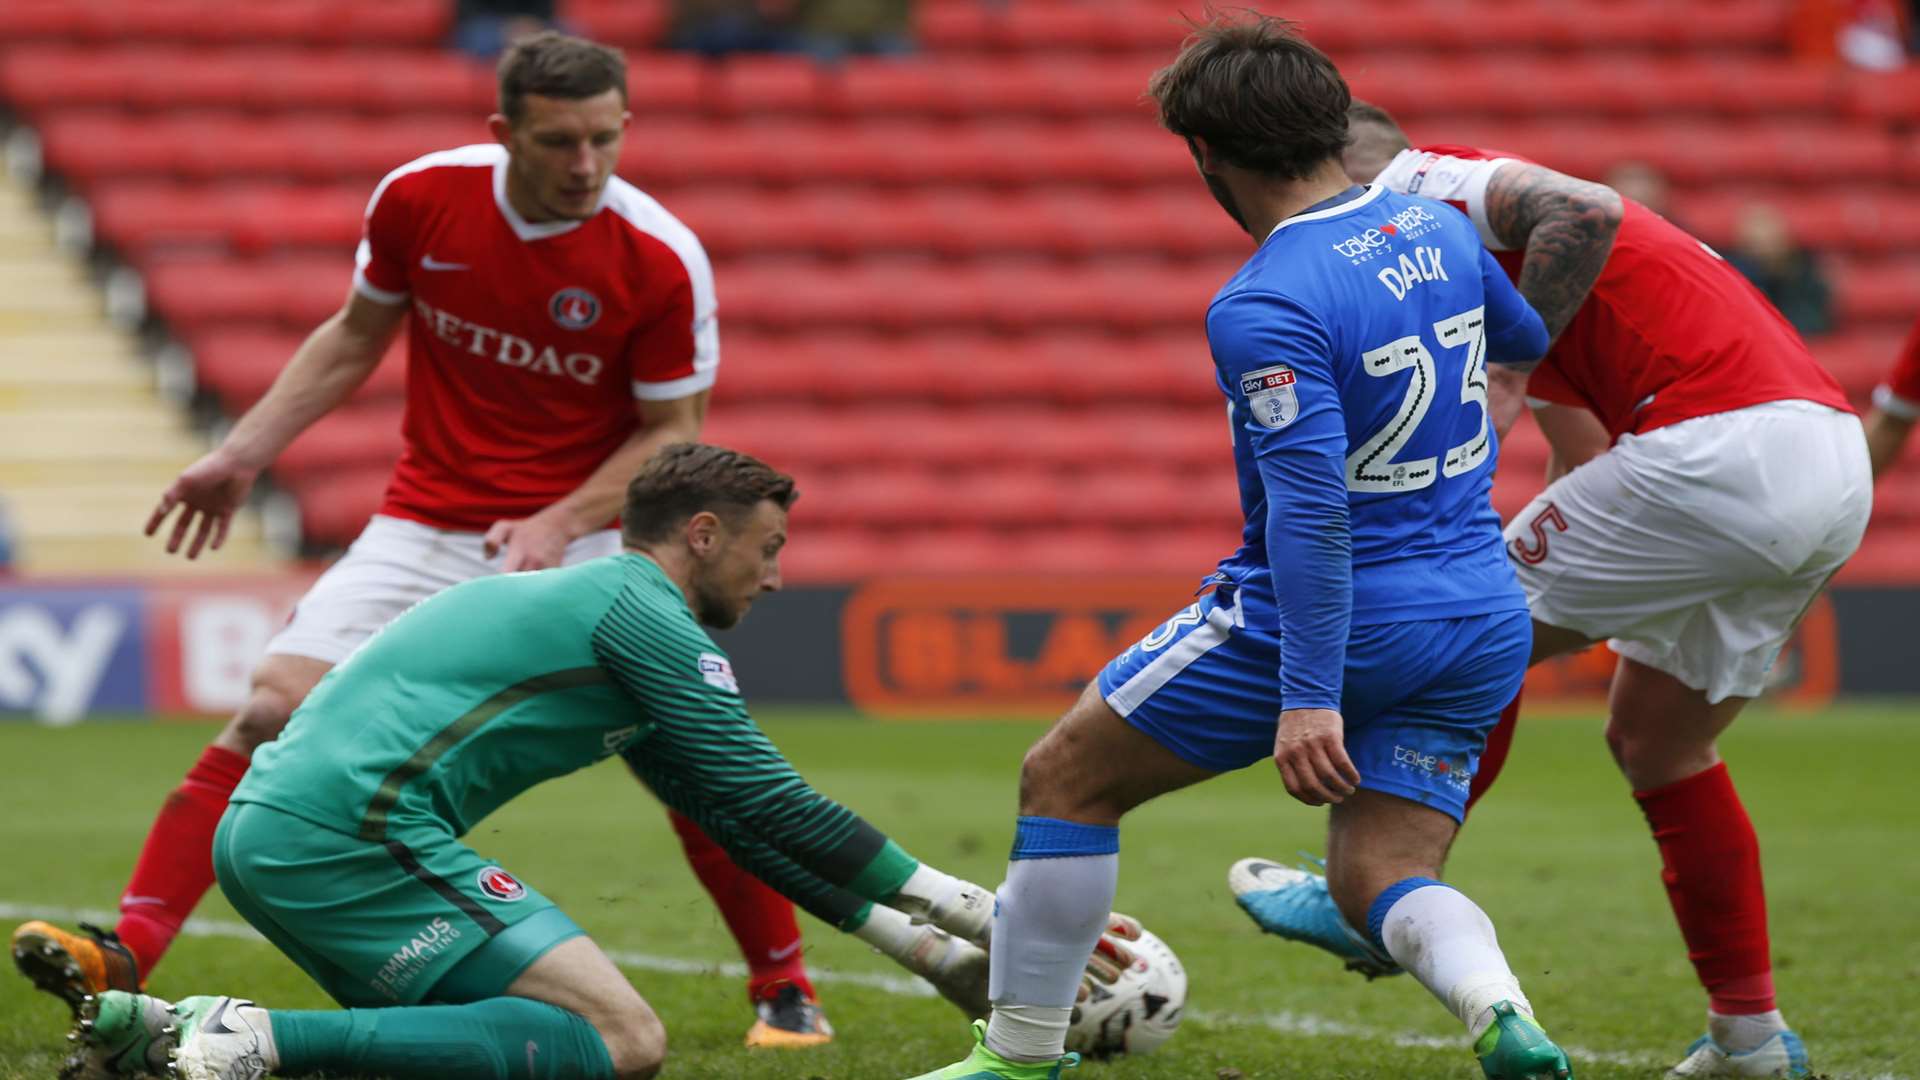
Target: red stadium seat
(961, 293)
(1859, 361)
(360, 438)
(307, 22)
(244, 220)
(237, 366)
(761, 85)
(628, 24)
(296, 294)
(335, 507)
(1883, 293)
(1886, 97)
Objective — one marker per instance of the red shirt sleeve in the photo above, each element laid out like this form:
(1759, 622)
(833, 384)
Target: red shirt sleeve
(381, 264)
(678, 354)
(1900, 394)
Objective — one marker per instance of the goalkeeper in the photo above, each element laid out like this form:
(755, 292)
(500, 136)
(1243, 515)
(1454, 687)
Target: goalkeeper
(342, 844)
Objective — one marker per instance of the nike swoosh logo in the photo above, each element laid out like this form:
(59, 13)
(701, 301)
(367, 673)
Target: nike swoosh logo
(782, 954)
(130, 900)
(428, 262)
(214, 1025)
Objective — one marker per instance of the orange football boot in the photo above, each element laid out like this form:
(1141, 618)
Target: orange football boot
(788, 1020)
(72, 967)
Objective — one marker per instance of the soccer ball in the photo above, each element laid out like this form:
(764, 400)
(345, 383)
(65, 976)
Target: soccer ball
(1138, 1012)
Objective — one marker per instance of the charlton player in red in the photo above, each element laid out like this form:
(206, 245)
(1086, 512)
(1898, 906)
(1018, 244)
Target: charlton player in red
(1896, 405)
(562, 332)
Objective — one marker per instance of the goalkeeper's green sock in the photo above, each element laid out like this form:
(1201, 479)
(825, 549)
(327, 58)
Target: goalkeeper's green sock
(499, 1039)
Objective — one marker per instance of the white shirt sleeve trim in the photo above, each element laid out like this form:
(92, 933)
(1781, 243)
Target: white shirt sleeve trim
(1893, 404)
(361, 257)
(645, 213)
(1449, 179)
(674, 389)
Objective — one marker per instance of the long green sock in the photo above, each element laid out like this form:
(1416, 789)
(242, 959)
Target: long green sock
(499, 1039)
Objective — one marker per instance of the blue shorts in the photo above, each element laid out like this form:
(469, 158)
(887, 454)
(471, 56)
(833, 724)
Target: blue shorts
(1418, 697)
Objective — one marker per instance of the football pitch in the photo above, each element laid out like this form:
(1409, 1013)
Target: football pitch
(1558, 855)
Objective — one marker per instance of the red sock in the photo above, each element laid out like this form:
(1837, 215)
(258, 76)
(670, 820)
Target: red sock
(176, 864)
(1711, 865)
(1494, 757)
(761, 919)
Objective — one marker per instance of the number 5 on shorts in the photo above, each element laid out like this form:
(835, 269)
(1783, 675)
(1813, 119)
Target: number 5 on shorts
(1536, 554)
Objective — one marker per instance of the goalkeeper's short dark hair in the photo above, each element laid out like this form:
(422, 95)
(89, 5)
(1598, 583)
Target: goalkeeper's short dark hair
(685, 478)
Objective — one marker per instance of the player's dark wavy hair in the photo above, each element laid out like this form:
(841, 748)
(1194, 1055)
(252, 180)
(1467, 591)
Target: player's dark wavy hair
(552, 64)
(686, 478)
(1257, 92)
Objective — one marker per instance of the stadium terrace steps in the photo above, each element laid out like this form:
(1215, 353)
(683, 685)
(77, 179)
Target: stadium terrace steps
(86, 445)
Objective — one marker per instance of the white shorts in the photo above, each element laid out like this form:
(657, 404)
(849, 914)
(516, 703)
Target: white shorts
(394, 564)
(1697, 547)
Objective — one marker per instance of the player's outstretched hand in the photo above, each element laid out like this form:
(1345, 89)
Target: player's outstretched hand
(531, 543)
(1311, 753)
(208, 492)
(1111, 956)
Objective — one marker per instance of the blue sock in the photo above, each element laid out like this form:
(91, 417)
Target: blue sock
(1377, 913)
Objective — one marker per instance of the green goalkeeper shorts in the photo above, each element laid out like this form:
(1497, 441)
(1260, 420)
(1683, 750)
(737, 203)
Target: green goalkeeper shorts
(418, 917)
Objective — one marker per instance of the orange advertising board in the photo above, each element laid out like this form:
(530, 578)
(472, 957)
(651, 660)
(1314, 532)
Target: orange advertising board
(1027, 646)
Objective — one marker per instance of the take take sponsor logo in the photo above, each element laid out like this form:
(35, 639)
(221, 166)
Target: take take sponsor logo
(1452, 771)
(1405, 224)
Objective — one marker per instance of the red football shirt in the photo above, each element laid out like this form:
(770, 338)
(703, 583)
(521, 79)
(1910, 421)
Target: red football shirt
(529, 342)
(1900, 394)
(1670, 331)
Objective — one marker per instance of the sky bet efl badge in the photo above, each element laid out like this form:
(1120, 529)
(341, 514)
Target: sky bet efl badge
(1270, 395)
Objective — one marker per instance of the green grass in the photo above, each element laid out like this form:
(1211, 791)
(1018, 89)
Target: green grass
(1559, 857)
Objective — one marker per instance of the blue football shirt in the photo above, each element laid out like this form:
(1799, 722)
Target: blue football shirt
(1352, 350)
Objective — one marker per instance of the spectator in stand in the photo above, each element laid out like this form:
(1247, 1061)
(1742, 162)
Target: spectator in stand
(1866, 34)
(1646, 185)
(832, 29)
(484, 28)
(1765, 250)
(715, 28)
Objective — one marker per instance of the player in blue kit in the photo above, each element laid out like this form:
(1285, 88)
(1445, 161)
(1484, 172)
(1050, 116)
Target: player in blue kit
(1369, 629)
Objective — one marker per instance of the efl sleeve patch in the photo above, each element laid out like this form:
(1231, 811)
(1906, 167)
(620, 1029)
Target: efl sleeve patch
(718, 673)
(1270, 395)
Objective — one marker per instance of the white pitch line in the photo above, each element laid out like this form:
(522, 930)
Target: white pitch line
(1289, 1023)
(212, 928)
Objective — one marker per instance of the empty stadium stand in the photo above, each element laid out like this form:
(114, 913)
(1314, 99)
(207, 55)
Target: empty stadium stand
(961, 293)
(86, 441)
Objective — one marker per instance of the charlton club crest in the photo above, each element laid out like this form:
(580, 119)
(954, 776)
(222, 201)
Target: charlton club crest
(574, 309)
(500, 885)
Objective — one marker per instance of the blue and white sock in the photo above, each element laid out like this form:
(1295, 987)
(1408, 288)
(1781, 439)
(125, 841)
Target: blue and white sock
(1446, 942)
(1047, 918)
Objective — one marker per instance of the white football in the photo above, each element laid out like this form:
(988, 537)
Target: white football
(1137, 1013)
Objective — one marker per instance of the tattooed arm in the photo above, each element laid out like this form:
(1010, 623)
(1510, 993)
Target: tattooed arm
(1566, 226)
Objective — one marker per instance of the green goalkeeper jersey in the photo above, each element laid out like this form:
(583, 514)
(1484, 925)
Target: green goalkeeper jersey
(486, 689)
